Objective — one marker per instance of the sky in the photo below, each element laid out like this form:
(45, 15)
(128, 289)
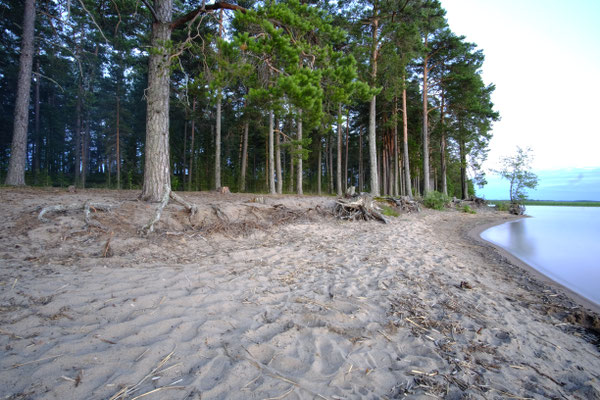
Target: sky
(544, 58)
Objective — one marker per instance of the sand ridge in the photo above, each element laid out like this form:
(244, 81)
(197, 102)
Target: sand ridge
(315, 308)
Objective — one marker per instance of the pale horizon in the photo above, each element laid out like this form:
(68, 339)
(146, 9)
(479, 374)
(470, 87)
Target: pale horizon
(542, 56)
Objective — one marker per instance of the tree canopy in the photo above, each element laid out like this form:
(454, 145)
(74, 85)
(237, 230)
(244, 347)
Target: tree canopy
(257, 96)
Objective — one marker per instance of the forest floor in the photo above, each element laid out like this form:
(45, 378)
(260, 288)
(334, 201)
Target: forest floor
(260, 297)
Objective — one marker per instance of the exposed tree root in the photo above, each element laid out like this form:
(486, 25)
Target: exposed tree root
(190, 207)
(404, 203)
(149, 227)
(88, 207)
(358, 208)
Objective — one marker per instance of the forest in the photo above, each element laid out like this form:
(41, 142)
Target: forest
(279, 96)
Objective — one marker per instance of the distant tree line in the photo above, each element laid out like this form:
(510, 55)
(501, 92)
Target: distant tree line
(277, 96)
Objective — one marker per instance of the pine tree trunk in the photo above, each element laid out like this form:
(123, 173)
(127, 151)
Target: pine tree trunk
(218, 145)
(37, 141)
(157, 169)
(396, 190)
(271, 169)
(193, 136)
(184, 178)
(278, 159)
(329, 164)
(425, 125)
(244, 157)
(299, 168)
(291, 150)
(405, 142)
(443, 150)
(463, 170)
(338, 181)
(78, 134)
(373, 113)
(18, 149)
(319, 168)
(118, 147)
(361, 178)
(346, 155)
(85, 143)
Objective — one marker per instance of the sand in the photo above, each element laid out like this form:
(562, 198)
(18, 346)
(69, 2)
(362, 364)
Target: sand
(269, 302)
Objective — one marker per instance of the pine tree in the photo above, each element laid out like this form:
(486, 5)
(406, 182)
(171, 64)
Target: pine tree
(16, 167)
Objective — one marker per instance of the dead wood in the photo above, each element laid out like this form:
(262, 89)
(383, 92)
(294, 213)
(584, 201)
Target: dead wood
(88, 207)
(358, 208)
(404, 203)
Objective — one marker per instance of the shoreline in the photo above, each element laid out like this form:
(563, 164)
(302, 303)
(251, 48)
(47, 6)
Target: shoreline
(475, 234)
(281, 301)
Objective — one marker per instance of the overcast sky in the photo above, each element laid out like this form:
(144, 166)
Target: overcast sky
(544, 58)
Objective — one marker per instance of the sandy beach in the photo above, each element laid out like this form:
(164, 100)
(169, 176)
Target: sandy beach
(269, 297)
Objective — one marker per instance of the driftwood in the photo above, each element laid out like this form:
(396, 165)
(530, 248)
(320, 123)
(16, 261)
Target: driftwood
(358, 208)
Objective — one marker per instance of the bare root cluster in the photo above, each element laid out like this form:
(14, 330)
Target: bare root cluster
(88, 208)
(358, 208)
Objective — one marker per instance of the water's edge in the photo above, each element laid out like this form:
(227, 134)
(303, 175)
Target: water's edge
(475, 234)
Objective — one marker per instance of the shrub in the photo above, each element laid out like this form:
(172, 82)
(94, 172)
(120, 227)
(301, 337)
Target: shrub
(388, 211)
(467, 209)
(436, 200)
(502, 206)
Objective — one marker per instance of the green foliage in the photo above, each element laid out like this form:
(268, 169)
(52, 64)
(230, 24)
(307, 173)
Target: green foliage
(502, 205)
(436, 200)
(516, 169)
(388, 211)
(467, 209)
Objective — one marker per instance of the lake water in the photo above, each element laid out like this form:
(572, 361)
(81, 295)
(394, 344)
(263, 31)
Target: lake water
(563, 243)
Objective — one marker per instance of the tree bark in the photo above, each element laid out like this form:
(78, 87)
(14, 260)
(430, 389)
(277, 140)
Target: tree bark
(291, 149)
(345, 187)
(244, 157)
(193, 136)
(299, 168)
(425, 125)
(319, 168)
(78, 134)
(157, 174)
(361, 178)
(339, 152)
(85, 144)
(118, 147)
(373, 112)
(271, 169)
(396, 190)
(443, 150)
(463, 170)
(18, 149)
(278, 159)
(36, 129)
(405, 142)
(218, 145)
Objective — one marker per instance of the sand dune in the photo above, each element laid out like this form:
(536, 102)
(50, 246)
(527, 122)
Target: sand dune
(315, 308)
